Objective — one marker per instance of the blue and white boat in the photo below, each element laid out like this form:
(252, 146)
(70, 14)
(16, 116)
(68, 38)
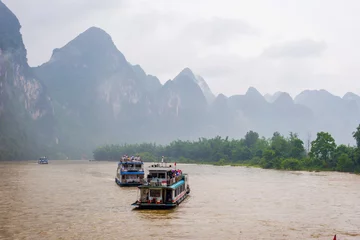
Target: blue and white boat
(130, 172)
(43, 160)
(166, 187)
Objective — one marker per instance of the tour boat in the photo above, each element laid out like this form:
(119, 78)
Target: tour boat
(43, 160)
(166, 187)
(130, 172)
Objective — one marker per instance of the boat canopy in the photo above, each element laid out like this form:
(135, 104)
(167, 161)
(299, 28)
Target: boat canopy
(130, 162)
(132, 173)
(179, 183)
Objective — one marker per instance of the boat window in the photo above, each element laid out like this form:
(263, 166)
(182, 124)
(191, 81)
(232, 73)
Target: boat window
(161, 175)
(155, 193)
(138, 165)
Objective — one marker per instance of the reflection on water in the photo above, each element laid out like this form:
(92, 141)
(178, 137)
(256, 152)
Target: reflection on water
(80, 200)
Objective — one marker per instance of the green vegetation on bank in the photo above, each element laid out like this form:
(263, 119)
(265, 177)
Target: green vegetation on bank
(278, 152)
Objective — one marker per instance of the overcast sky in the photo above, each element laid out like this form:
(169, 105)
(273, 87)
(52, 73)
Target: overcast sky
(273, 45)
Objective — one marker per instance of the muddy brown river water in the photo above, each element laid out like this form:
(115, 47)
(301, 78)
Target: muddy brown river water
(80, 200)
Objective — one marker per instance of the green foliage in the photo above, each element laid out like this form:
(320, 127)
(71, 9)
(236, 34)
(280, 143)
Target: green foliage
(279, 152)
(268, 159)
(251, 138)
(345, 164)
(356, 135)
(297, 149)
(323, 150)
(291, 164)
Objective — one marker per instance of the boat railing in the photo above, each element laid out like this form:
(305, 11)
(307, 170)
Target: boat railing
(132, 169)
(162, 181)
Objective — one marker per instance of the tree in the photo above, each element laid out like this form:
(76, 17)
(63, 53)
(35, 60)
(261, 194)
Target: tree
(345, 164)
(323, 149)
(356, 135)
(251, 138)
(279, 145)
(268, 159)
(297, 149)
(308, 142)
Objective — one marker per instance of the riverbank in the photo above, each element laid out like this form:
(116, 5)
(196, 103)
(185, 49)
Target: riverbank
(303, 169)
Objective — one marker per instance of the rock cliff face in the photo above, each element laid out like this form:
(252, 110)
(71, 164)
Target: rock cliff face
(26, 114)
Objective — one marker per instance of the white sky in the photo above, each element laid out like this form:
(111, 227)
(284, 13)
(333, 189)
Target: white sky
(272, 45)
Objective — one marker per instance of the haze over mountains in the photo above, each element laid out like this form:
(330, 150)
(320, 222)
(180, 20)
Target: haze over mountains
(89, 94)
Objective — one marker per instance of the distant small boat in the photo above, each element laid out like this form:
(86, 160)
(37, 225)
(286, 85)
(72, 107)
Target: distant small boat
(43, 160)
(166, 187)
(130, 173)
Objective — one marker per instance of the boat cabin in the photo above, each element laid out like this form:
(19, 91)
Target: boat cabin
(131, 166)
(165, 185)
(130, 173)
(162, 175)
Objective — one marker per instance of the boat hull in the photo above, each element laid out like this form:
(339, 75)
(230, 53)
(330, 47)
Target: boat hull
(135, 184)
(43, 163)
(159, 205)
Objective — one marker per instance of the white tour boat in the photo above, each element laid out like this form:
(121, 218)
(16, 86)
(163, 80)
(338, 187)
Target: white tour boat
(166, 187)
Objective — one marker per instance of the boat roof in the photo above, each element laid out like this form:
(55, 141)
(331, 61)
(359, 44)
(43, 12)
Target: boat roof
(179, 183)
(161, 169)
(131, 173)
(131, 162)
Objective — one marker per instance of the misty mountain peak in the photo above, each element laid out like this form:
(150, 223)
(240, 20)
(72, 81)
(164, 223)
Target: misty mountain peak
(93, 47)
(187, 75)
(93, 35)
(187, 72)
(351, 96)
(314, 95)
(186, 78)
(220, 103)
(254, 93)
(221, 96)
(283, 99)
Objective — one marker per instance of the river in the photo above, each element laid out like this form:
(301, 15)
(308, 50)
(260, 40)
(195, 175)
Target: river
(80, 200)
